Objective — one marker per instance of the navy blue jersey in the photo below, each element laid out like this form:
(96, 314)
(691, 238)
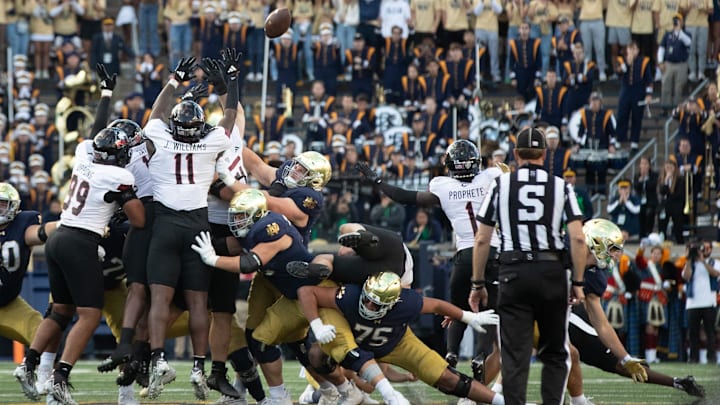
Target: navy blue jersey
(382, 335)
(596, 280)
(112, 265)
(311, 203)
(15, 255)
(270, 228)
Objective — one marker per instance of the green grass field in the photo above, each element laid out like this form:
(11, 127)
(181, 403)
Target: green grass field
(94, 388)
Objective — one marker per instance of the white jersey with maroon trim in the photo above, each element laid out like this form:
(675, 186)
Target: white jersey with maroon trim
(182, 172)
(218, 208)
(139, 166)
(84, 151)
(86, 205)
(461, 200)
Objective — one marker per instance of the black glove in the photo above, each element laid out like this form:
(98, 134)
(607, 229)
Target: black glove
(231, 63)
(118, 218)
(185, 69)
(367, 172)
(106, 82)
(214, 74)
(277, 188)
(196, 92)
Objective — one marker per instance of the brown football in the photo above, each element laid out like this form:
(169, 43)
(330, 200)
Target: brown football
(277, 22)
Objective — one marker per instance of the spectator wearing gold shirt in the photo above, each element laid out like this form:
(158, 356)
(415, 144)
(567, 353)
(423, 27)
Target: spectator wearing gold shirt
(454, 19)
(17, 14)
(90, 21)
(486, 31)
(618, 20)
(64, 15)
(696, 24)
(592, 29)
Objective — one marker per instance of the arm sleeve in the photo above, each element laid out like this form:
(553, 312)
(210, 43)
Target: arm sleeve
(398, 194)
(101, 116)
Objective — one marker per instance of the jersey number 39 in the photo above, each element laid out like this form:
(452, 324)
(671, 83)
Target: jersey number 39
(78, 191)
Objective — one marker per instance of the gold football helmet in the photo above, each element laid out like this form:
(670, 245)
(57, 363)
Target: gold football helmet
(309, 169)
(602, 238)
(246, 208)
(379, 294)
(9, 203)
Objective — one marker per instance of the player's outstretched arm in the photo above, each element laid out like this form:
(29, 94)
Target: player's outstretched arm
(183, 72)
(261, 171)
(476, 320)
(398, 194)
(245, 263)
(107, 85)
(610, 339)
(231, 65)
(311, 298)
(37, 234)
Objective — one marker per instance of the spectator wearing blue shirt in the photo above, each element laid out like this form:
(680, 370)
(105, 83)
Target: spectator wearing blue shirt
(672, 57)
(423, 228)
(624, 210)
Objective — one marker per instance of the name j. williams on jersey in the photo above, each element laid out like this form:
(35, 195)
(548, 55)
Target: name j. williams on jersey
(466, 194)
(185, 147)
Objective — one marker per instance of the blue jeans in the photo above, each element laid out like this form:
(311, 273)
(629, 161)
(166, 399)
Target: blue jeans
(180, 43)
(148, 29)
(255, 47)
(545, 42)
(306, 50)
(512, 34)
(19, 42)
(593, 35)
(344, 35)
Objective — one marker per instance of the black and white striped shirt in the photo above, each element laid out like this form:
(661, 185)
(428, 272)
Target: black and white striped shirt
(530, 206)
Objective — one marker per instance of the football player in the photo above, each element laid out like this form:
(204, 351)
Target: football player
(183, 167)
(96, 190)
(271, 241)
(459, 195)
(380, 311)
(20, 231)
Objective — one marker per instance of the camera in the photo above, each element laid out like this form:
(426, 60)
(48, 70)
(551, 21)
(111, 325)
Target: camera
(693, 250)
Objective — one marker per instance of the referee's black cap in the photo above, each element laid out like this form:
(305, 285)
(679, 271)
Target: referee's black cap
(531, 138)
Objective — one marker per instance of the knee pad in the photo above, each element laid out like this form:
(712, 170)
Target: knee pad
(62, 320)
(241, 359)
(260, 351)
(300, 351)
(355, 359)
(320, 362)
(462, 388)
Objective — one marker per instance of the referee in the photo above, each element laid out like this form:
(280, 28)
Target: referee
(530, 206)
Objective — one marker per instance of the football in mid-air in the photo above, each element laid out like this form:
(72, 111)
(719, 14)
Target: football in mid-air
(277, 22)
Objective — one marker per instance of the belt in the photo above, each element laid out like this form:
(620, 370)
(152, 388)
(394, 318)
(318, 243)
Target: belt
(519, 256)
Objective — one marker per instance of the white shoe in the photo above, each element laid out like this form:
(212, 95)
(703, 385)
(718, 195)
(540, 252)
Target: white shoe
(701, 76)
(603, 77)
(226, 400)
(692, 77)
(397, 399)
(197, 379)
(43, 374)
(307, 396)
(160, 375)
(59, 392)
(465, 401)
(284, 400)
(353, 397)
(258, 77)
(27, 381)
(126, 396)
(367, 400)
(329, 396)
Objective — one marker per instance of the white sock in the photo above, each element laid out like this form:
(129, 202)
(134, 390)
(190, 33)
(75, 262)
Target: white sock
(497, 387)
(326, 384)
(384, 388)
(344, 388)
(47, 360)
(498, 399)
(703, 356)
(127, 390)
(578, 400)
(277, 391)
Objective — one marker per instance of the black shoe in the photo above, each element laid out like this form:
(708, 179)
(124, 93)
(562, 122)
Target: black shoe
(218, 382)
(358, 239)
(689, 385)
(128, 374)
(452, 359)
(300, 269)
(478, 368)
(143, 373)
(121, 355)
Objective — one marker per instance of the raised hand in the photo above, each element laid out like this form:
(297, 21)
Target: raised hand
(107, 82)
(205, 249)
(231, 62)
(214, 74)
(196, 92)
(366, 171)
(185, 69)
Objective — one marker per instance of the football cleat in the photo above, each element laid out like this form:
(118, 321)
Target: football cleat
(126, 396)
(478, 368)
(218, 382)
(367, 400)
(26, 378)
(689, 385)
(161, 374)
(397, 399)
(359, 238)
(197, 379)
(307, 396)
(43, 374)
(300, 269)
(121, 355)
(329, 396)
(466, 401)
(59, 392)
(143, 374)
(128, 374)
(283, 400)
(452, 359)
(353, 397)
(226, 400)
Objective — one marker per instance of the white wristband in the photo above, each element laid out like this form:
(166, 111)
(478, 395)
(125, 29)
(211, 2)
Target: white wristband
(625, 359)
(173, 83)
(106, 93)
(466, 316)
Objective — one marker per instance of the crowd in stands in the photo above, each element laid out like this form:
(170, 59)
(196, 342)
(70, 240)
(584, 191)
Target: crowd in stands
(393, 83)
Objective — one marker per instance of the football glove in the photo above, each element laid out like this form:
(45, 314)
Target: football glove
(635, 368)
(205, 249)
(107, 82)
(196, 92)
(185, 69)
(477, 320)
(222, 167)
(369, 173)
(231, 62)
(323, 333)
(214, 74)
